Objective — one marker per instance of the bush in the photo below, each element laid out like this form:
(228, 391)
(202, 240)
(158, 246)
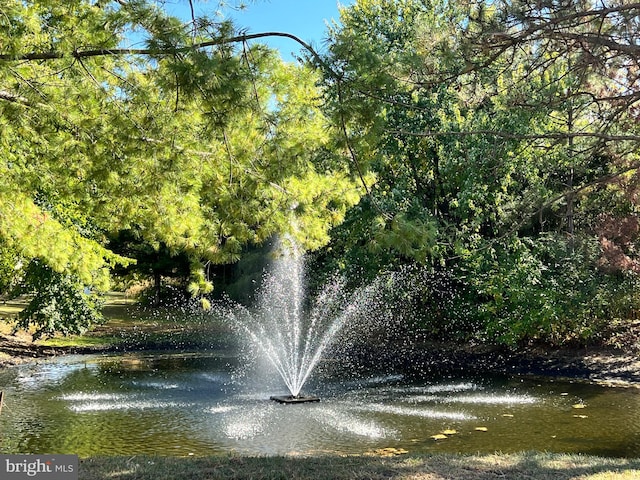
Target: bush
(60, 303)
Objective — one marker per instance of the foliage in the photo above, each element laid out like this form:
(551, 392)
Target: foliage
(196, 144)
(540, 290)
(500, 154)
(493, 143)
(154, 263)
(9, 264)
(58, 303)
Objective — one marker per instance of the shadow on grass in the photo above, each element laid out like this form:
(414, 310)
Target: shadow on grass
(536, 466)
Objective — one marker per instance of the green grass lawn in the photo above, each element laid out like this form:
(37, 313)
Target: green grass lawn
(527, 466)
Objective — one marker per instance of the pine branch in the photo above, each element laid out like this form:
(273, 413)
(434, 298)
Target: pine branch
(53, 55)
(517, 136)
(12, 97)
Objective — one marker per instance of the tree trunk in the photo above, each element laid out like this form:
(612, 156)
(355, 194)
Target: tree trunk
(570, 194)
(157, 283)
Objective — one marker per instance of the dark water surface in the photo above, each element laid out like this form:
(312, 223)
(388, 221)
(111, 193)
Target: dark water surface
(198, 404)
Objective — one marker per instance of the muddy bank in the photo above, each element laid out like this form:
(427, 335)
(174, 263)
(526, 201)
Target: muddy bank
(598, 365)
(15, 351)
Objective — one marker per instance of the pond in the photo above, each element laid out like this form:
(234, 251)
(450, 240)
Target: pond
(198, 404)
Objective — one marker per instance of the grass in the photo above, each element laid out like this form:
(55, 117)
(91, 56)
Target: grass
(529, 466)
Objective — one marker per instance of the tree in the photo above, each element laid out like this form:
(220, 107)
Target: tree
(496, 150)
(197, 143)
(60, 304)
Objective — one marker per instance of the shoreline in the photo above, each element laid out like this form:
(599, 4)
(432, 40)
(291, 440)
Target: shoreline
(128, 327)
(596, 365)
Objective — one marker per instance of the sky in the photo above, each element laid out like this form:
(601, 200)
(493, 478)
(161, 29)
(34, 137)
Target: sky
(306, 19)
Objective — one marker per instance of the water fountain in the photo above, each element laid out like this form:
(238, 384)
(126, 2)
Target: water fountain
(205, 402)
(291, 337)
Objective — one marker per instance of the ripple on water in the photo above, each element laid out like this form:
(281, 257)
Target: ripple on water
(92, 396)
(158, 385)
(247, 424)
(345, 422)
(491, 399)
(98, 406)
(414, 412)
(214, 377)
(439, 388)
(488, 399)
(222, 409)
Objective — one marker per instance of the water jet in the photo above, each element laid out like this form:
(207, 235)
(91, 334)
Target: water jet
(283, 330)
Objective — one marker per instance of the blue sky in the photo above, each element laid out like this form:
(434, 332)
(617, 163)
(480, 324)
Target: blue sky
(307, 19)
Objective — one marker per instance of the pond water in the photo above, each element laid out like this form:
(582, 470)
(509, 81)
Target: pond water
(197, 404)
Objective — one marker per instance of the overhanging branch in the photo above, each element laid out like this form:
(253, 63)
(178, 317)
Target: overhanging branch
(52, 55)
(517, 136)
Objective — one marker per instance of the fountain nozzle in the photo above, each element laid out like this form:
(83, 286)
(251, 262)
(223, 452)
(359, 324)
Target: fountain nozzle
(287, 399)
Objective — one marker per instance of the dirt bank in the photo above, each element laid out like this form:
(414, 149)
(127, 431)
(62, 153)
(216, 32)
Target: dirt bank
(598, 365)
(15, 351)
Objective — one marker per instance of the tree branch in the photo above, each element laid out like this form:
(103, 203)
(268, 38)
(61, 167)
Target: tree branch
(517, 136)
(526, 217)
(52, 55)
(12, 97)
(546, 26)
